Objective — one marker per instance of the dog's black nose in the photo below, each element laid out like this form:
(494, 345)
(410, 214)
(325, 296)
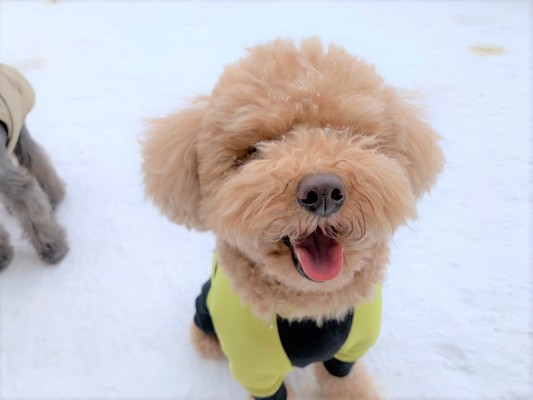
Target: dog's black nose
(321, 194)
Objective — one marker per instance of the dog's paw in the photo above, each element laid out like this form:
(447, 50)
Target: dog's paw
(206, 345)
(6, 255)
(356, 386)
(53, 252)
(290, 392)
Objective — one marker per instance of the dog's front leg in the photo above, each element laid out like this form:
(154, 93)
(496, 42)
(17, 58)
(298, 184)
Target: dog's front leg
(6, 251)
(32, 156)
(28, 202)
(204, 344)
(356, 385)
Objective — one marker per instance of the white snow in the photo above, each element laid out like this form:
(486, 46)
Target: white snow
(111, 321)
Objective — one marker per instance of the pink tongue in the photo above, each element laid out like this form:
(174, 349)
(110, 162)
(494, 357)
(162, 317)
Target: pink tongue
(321, 257)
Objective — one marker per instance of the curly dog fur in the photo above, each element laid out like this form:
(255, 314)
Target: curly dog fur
(29, 184)
(234, 163)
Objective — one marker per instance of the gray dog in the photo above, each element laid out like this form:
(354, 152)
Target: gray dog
(29, 185)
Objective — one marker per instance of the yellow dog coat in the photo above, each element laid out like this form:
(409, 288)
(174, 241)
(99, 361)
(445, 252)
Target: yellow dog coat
(259, 353)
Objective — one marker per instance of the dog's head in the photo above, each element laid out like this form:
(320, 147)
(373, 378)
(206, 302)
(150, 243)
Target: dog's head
(301, 160)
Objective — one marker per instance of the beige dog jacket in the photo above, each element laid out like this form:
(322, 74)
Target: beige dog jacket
(16, 101)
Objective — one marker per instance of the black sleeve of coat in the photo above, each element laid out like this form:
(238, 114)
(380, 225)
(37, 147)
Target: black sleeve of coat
(202, 319)
(338, 368)
(281, 394)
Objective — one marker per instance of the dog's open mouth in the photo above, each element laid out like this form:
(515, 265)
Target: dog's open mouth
(317, 257)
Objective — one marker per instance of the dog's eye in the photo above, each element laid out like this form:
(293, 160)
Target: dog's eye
(246, 155)
(252, 151)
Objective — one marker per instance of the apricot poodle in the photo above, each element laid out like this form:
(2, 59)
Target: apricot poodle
(303, 163)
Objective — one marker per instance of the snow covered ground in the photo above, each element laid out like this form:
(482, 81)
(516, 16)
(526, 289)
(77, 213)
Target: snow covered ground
(111, 321)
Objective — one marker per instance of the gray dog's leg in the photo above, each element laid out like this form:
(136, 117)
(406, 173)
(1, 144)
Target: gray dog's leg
(6, 251)
(30, 155)
(28, 202)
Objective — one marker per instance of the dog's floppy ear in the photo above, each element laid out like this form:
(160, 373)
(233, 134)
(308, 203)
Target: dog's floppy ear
(170, 166)
(418, 142)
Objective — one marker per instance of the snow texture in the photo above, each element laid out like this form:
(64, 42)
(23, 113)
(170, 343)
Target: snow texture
(111, 321)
